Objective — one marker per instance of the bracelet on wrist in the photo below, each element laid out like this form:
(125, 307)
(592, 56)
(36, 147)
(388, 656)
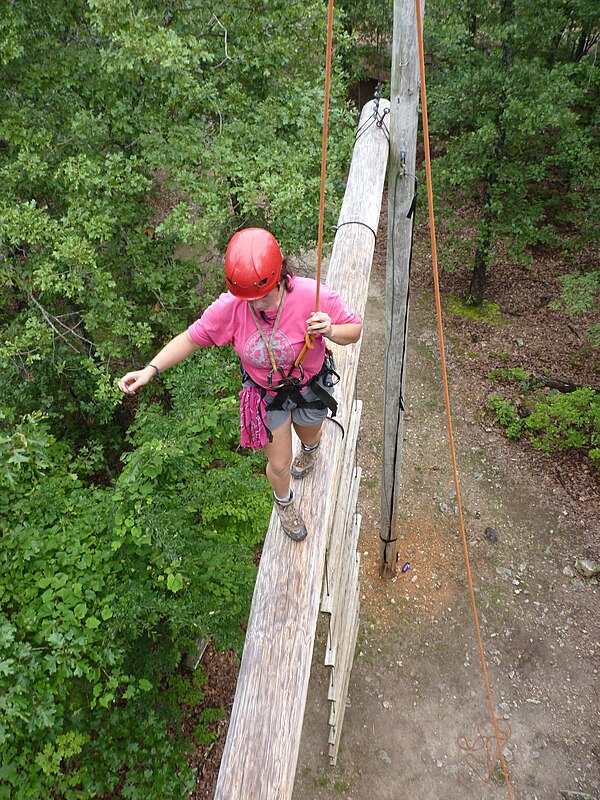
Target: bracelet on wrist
(156, 369)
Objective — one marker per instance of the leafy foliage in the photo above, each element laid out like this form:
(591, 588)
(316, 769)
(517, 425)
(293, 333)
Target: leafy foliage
(579, 293)
(506, 414)
(513, 96)
(104, 588)
(127, 128)
(515, 374)
(367, 48)
(135, 137)
(555, 422)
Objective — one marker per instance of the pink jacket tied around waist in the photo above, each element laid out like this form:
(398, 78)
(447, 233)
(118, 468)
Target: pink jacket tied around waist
(253, 431)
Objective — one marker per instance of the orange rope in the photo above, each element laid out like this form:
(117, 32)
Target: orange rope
(308, 337)
(438, 306)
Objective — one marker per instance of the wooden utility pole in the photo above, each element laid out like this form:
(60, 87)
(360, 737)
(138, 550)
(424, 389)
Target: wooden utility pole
(404, 117)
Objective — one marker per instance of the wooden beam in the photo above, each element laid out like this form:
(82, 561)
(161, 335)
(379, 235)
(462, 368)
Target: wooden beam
(345, 505)
(261, 751)
(401, 191)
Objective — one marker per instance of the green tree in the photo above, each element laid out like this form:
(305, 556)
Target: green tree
(514, 113)
(103, 589)
(135, 137)
(368, 27)
(126, 129)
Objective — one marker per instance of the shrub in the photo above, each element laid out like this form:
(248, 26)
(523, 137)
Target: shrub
(506, 414)
(568, 420)
(104, 588)
(557, 421)
(515, 374)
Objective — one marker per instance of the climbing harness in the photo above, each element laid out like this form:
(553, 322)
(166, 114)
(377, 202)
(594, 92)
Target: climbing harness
(283, 386)
(292, 389)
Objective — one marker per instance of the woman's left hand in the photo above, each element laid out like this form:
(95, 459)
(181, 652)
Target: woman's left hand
(320, 322)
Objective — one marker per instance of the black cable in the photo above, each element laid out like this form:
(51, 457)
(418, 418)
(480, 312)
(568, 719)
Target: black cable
(355, 222)
(372, 120)
(410, 215)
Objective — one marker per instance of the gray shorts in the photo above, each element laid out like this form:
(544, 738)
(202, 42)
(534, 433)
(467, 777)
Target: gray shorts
(301, 416)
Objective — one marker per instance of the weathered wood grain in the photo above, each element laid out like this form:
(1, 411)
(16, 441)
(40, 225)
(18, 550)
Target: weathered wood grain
(404, 118)
(345, 651)
(343, 510)
(261, 751)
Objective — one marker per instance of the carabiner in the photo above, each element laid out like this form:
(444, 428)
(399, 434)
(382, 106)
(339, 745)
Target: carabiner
(279, 385)
(330, 376)
(301, 378)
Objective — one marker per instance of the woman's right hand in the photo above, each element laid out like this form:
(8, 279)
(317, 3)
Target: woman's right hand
(172, 353)
(133, 381)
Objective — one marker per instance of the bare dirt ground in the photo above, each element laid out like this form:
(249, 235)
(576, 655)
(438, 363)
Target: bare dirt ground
(417, 722)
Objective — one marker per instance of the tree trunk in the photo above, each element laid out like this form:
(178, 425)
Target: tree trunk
(476, 291)
(404, 121)
(485, 231)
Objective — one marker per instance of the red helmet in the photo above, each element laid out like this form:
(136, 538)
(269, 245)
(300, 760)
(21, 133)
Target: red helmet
(252, 263)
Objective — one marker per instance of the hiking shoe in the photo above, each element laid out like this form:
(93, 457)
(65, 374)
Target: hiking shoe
(291, 521)
(304, 461)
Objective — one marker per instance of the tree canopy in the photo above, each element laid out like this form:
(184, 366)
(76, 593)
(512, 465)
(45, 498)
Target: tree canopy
(515, 118)
(126, 130)
(135, 138)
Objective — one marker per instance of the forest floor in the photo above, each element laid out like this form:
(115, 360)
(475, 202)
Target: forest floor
(417, 720)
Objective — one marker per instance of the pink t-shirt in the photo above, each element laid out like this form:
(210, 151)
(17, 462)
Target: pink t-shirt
(228, 321)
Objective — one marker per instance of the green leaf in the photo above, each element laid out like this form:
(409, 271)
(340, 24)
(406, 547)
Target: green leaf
(174, 582)
(80, 610)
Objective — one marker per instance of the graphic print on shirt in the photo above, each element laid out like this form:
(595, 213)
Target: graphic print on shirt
(255, 352)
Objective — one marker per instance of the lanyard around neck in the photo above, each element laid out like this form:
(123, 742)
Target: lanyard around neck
(268, 340)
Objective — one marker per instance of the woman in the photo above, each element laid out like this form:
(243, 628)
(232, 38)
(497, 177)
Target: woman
(264, 315)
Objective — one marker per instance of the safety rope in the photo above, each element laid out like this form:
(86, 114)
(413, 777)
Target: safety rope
(308, 337)
(438, 306)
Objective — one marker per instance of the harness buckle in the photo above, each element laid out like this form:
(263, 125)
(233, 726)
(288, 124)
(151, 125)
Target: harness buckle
(286, 380)
(330, 377)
